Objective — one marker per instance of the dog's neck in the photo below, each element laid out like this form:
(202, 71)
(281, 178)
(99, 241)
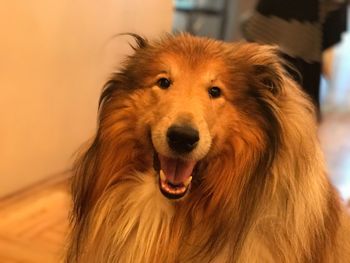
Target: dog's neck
(138, 222)
(141, 226)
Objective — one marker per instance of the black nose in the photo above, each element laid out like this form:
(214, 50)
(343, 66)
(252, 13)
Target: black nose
(182, 139)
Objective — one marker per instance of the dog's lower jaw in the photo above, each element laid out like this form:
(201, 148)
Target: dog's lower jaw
(174, 175)
(171, 191)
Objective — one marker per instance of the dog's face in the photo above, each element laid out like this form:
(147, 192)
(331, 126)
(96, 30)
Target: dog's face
(192, 101)
(187, 115)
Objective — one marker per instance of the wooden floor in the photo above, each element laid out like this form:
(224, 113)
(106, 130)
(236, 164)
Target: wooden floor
(33, 225)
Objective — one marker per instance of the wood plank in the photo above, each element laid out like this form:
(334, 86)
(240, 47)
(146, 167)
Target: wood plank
(33, 225)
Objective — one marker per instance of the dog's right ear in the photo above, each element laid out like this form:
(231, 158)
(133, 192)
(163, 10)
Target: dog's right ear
(141, 42)
(121, 79)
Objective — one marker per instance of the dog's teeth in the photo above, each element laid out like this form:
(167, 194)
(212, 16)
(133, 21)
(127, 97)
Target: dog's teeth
(174, 190)
(162, 175)
(188, 181)
(181, 190)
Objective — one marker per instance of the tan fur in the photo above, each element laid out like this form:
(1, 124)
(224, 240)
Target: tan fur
(261, 193)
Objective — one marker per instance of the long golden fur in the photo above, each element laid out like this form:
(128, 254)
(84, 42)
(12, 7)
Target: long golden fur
(259, 191)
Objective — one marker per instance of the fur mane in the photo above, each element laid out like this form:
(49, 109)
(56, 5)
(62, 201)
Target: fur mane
(270, 175)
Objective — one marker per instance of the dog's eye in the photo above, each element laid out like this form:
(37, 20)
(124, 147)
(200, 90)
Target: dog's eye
(214, 92)
(163, 83)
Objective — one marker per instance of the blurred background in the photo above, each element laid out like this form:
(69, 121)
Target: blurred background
(54, 58)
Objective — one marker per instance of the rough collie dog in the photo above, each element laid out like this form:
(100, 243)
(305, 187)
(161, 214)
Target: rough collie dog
(205, 152)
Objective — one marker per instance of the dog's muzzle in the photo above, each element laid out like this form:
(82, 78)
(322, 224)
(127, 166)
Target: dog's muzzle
(175, 172)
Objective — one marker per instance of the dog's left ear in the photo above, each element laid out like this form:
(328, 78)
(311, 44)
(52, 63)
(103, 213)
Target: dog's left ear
(268, 69)
(268, 77)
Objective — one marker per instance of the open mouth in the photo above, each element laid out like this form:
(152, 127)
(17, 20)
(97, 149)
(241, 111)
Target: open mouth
(175, 175)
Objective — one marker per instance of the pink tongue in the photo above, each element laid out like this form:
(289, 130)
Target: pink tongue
(176, 170)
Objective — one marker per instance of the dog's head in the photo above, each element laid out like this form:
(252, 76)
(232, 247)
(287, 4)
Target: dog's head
(192, 109)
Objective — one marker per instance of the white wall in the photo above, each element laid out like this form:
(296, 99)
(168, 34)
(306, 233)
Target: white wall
(54, 58)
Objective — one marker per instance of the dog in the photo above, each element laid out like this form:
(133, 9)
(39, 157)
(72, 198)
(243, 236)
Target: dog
(205, 151)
